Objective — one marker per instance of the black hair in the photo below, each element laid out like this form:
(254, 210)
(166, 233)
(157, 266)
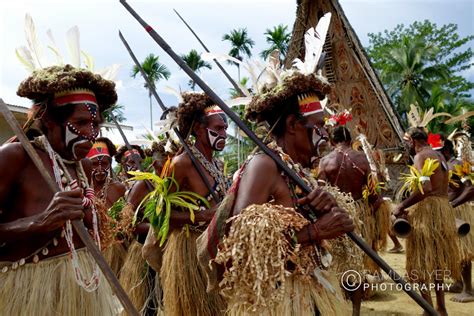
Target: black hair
(341, 134)
(448, 147)
(277, 118)
(417, 133)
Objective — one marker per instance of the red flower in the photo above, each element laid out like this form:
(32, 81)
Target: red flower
(435, 141)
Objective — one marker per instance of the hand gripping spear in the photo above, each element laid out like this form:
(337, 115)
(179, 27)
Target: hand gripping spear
(358, 240)
(164, 108)
(78, 224)
(232, 81)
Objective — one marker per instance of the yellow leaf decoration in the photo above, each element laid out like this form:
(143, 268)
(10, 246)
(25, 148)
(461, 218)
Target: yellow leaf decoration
(412, 180)
(373, 187)
(157, 204)
(464, 171)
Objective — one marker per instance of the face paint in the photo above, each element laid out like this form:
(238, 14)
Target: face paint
(74, 137)
(318, 139)
(217, 141)
(101, 171)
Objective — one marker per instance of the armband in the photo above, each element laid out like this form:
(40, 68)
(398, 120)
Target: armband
(424, 179)
(464, 179)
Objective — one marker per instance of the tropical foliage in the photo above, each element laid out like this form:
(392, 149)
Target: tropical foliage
(240, 43)
(158, 203)
(155, 72)
(278, 38)
(194, 61)
(424, 64)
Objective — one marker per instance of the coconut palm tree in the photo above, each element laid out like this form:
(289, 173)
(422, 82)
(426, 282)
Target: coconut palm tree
(155, 71)
(278, 38)
(409, 75)
(194, 61)
(241, 44)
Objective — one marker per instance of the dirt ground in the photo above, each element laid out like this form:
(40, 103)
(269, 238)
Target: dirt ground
(398, 303)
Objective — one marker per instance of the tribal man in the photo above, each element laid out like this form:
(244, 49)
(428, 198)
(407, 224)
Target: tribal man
(463, 210)
(350, 171)
(126, 160)
(107, 193)
(183, 281)
(45, 269)
(263, 198)
(432, 247)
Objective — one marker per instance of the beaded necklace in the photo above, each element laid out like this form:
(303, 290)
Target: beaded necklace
(66, 182)
(214, 171)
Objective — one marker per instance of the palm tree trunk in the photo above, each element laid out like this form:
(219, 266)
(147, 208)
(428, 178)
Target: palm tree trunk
(238, 71)
(151, 113)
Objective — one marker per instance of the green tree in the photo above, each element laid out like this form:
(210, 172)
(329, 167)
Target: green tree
(155, 71)
(240, 43)
(117, 111)
(408, 75)
(424, 63)
(278, 38)
(194, 61)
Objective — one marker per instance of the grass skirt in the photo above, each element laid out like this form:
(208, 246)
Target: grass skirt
(303, 296)
(466, 243)
(432, 248)
(184, 281)
(49, 288)
(115, 256)
(133, 277)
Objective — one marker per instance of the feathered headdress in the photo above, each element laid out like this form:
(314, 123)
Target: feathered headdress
(417, 118)
(33, 56)
(435, 141)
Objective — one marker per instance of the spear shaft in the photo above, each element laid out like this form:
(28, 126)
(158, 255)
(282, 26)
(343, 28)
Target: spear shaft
(152, 89)
(357, 239)
(226, 74)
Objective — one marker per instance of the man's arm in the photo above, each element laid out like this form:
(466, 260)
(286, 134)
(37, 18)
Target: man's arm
(322, 170)
(416, 196)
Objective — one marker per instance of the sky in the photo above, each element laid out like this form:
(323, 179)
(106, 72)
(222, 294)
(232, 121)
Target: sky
(100, 20)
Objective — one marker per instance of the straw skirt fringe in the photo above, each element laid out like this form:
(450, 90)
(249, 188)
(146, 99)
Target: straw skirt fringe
(184, 281)
(115, 256)
(49, 288)
(433, 245)
(382, 226)
(303, 296)
(466, 243)
(133, 277)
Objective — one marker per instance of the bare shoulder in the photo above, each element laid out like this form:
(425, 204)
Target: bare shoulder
(118, 186)
(262, 165)
(182, 161)
(12, 157)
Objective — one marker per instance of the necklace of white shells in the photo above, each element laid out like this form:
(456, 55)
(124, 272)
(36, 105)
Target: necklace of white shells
(66, 182)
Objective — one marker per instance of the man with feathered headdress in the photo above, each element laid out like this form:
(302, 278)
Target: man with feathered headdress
(432, 247)
(44, 267)
(273, 251)
(182, 279)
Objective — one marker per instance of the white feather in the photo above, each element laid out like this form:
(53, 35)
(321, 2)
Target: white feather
(54, 48)
(238, 101)
(314, 41)
(109, 73)
(88, 61)
(24, 56)
(33, 43)
(73, 38)
(172, 91)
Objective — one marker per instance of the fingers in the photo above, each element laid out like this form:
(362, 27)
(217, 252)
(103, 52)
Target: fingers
(319, 200)
(77, 193)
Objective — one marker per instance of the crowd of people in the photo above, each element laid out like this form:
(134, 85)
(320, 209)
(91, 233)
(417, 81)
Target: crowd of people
(185, 238)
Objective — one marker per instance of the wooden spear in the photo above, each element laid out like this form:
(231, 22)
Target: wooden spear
(226, 74)
(164, 108)
(357, 239)
(78, 224)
